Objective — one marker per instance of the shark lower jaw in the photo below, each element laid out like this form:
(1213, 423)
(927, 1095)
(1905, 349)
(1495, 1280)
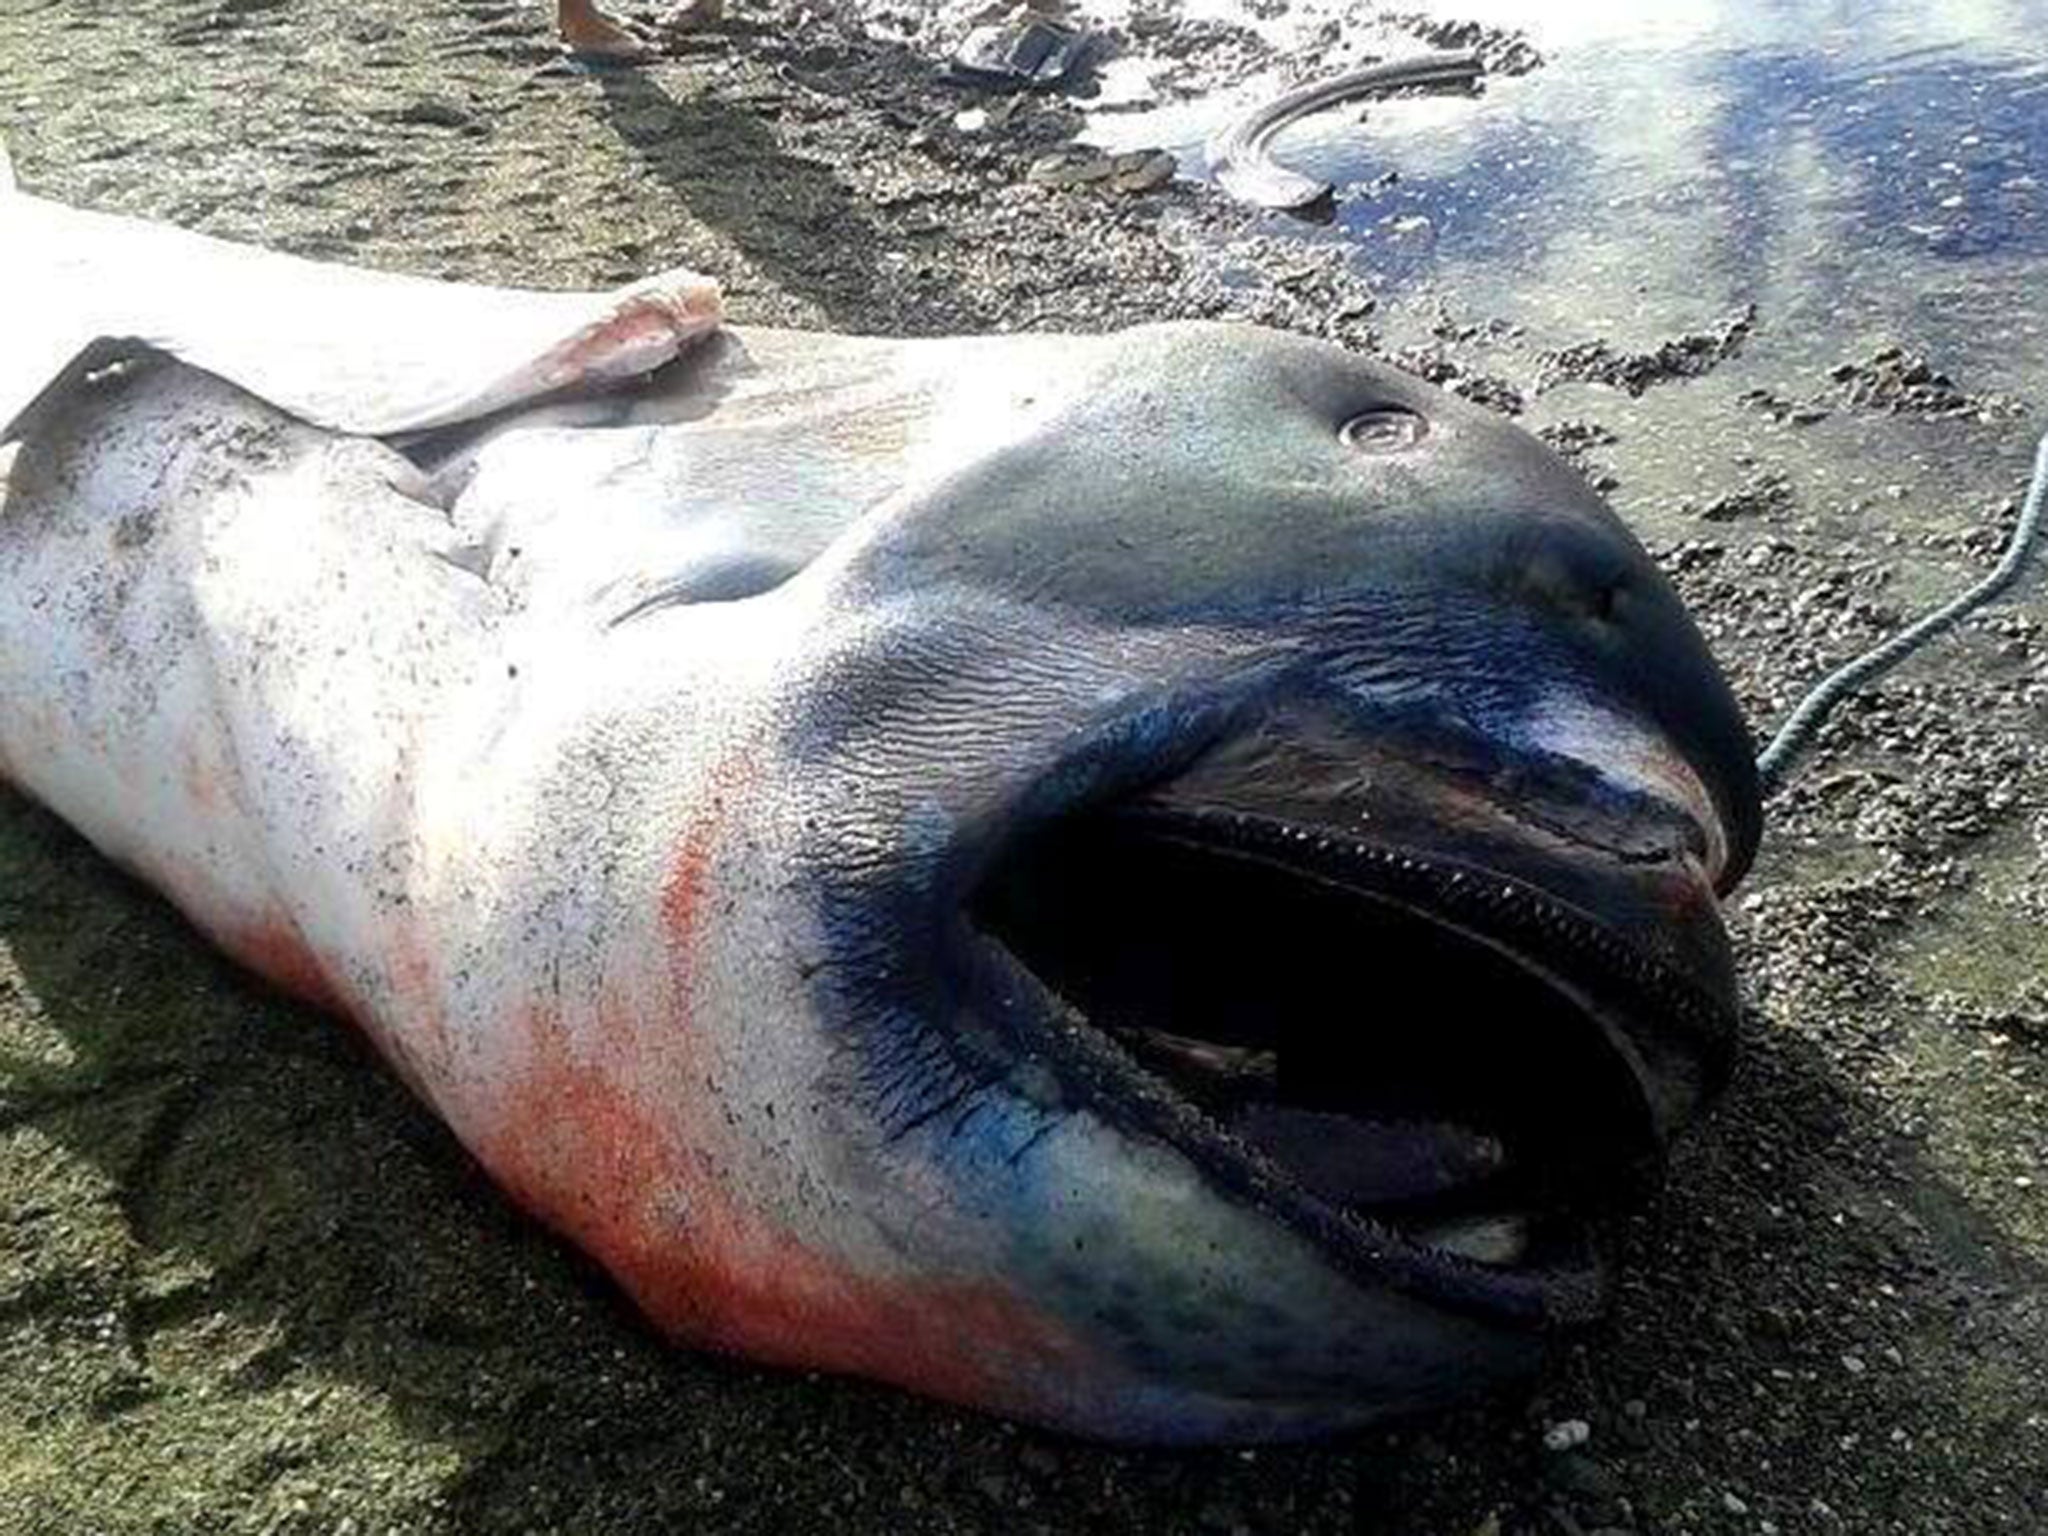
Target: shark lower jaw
(1439, 1073)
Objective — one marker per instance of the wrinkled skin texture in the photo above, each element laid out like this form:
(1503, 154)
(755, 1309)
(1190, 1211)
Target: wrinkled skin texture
(624, 769)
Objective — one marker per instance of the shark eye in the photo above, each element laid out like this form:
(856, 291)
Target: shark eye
(1383, 429)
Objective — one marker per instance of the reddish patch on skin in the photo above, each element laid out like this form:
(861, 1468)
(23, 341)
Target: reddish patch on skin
(682, 898)
(421, 1049)
(650, 325)
(1688, 898)
(275, 950)
(684, 894)
(613, 1137)
(576, 1144)
(272, 946)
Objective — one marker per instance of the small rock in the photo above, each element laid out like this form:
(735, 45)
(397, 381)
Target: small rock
(1768, 492)
(1142, 170)
(1070, 167)
(435, 112)
(1567, 1435)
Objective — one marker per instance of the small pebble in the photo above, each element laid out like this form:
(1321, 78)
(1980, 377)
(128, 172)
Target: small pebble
(1142, 170)
(1567, 1435)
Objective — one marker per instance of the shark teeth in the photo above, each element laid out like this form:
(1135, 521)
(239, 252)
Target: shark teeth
(1499, 1240)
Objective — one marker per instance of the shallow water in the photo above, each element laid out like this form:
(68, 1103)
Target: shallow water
(1863, 174)
(1861, 161)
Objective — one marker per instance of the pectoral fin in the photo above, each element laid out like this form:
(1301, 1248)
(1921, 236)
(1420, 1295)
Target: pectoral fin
(373, 353)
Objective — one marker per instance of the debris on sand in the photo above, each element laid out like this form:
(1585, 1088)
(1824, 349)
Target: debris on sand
(1502, 50)
(1683, 357)
(1778, 408)
(1133, 171)
(1574, 441)
(1029, 51)
(1892, 380)
(1570, 438)
(1431, 364)
(1491, 391)
(1905, 383)
(1770, 491)
(1143, 170)
(1567, 1435)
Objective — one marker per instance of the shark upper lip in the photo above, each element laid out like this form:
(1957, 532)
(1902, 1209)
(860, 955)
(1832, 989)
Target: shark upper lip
(1437, 1109)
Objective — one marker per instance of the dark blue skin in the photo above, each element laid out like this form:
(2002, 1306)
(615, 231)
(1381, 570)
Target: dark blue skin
(1189, 593)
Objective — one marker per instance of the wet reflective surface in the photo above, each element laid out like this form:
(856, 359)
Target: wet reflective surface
(1862, 175)
(1864, 171)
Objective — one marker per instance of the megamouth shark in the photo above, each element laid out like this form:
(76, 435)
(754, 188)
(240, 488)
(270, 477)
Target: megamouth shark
(1154, 883)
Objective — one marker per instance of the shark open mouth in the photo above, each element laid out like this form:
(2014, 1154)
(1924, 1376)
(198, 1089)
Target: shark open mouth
(1431, 1066)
